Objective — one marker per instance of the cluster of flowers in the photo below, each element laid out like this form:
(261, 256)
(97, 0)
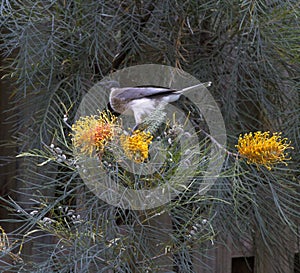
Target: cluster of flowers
(262, 148)
(95, 132)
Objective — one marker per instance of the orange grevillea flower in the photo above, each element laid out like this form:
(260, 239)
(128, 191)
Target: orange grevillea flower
(261, 148)
(136, 146)
(92, 133)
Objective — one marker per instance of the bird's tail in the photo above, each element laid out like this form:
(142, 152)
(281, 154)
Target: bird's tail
(203, 85)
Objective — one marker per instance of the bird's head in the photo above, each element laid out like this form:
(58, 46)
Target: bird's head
(117, 101)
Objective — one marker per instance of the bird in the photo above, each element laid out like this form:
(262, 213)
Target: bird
(141, 101)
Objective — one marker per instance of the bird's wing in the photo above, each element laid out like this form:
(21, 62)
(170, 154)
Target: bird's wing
(131, 93)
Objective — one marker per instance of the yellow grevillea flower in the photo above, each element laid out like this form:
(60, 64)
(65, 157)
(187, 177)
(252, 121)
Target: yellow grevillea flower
(261, 148)
(136, 146)
(93, 132)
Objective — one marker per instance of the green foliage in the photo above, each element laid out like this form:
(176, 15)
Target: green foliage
(54, 51)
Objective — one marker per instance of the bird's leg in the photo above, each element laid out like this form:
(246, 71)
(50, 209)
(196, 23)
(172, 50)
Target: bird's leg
(136, 127)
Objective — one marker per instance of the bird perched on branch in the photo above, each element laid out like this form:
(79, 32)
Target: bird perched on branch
(141, 101)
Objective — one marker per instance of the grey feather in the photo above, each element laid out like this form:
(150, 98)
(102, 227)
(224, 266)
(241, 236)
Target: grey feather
(131, 93)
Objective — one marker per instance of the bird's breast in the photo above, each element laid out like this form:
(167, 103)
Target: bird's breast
(143, 105)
